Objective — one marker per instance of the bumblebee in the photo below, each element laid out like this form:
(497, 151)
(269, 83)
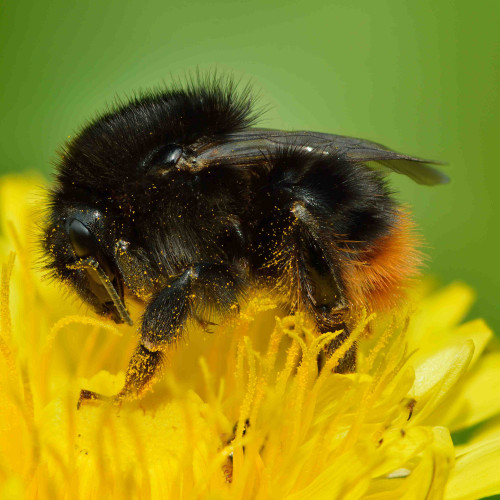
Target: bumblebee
(177, 200)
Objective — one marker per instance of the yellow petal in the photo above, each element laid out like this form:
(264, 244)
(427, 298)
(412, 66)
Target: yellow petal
(425, 475)
(437, 375)
(477, 469)
(476, 397)
(19, 200)
(475, 330)
(431, 327)
(346, 478)
(490, 429)
(401, 445)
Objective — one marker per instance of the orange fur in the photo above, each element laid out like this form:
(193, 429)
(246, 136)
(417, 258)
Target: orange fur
(376, 278)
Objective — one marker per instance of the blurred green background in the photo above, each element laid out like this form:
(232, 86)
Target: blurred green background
(419, 76)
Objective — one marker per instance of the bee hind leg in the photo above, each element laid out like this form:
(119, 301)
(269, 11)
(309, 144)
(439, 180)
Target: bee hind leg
(321, 285)
(346, 364)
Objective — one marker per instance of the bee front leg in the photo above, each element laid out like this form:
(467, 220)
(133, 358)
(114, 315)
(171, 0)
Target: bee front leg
(143, 366)
(200, 288)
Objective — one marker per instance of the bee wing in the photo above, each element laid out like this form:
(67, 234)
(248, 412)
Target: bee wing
(356, 150)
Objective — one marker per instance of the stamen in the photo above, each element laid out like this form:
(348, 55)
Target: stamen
(106, 283)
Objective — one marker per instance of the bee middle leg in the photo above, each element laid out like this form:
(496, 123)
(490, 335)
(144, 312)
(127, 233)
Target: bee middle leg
(199, 288)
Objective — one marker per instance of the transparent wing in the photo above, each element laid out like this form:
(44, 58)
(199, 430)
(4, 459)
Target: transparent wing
(375, 155)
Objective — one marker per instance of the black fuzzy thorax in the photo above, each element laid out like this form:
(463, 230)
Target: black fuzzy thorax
(112, 150)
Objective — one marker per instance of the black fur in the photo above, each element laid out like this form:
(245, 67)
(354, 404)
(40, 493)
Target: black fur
(233, 224)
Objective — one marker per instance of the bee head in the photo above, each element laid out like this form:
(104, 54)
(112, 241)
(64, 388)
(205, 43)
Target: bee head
(79, 243)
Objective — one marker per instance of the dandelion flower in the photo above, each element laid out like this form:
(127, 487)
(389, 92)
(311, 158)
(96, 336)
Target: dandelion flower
(242, 413)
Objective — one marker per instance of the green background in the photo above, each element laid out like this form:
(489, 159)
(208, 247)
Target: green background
(419, 76)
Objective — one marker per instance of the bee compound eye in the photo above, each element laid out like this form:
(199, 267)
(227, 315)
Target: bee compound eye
(83, 242)
(167, 155)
